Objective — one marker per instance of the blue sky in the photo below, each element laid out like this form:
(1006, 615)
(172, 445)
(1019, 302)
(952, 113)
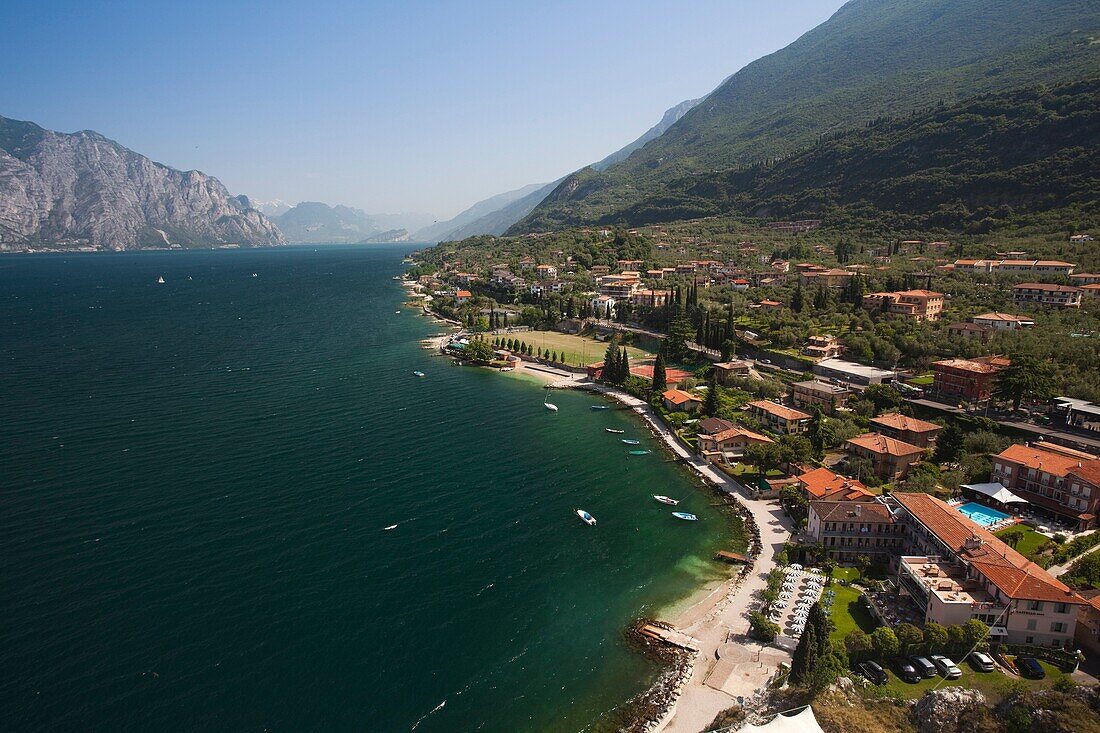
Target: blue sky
(388, 106)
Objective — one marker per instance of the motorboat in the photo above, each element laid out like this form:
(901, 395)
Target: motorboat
(640, 452)
(613, 430)
(586, 517)
(419, 374)
(631, 441)
(685, 516)
(666, 500)
(600, 407)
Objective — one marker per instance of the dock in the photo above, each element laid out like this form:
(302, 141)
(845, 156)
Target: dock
(672, 637)
(733, 558)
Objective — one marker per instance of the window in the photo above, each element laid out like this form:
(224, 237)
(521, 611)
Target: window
(1031, 624)
(1057, 628)
(1035, 605)
(1061, 608)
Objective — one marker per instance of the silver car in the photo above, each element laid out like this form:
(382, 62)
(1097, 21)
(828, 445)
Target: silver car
(982, 661)
(946, 667)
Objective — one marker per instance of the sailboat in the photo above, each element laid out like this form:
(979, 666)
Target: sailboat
(548, 406)
(586, 517)
(160, 280)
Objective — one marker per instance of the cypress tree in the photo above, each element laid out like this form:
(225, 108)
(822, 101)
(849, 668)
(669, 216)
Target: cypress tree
(710, 405)
(624, 366)
(805, 656)
(610, 362)
(660, 379)
(797, 300)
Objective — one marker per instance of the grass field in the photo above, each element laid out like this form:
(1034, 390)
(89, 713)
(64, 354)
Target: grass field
(577, 350)
(994, 685)
(848, 613)
(1030, 541)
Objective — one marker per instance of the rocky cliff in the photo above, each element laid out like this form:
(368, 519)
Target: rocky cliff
(61, 190)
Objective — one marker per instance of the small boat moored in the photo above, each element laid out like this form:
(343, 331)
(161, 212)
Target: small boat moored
(550, 407)
(419, 373)
(632, 441)
(666, 500)
(586, 517)
(640, 452)
(685, 516)
(599, 407)
(613, 430)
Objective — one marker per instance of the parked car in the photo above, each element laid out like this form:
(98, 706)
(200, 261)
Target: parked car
(946, 667)
(924, 666)
(982, 662)
(873, 672)
(1030, 667)
(904, 669)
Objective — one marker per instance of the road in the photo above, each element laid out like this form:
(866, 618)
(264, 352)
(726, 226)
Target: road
(1040, 431)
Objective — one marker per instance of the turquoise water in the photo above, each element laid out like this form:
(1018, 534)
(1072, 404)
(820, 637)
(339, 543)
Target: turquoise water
(196, 478)
(982, 514)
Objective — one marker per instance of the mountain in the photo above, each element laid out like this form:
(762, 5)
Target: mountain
(442, 230)
(671, 117)
(271, 208)
(495, 215)
(872, 58)
(970, 166)
(312, 222)
(411, 221)
(83, 190)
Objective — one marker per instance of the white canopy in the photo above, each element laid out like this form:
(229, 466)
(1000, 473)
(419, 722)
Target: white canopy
(996, 491)
(801, 722)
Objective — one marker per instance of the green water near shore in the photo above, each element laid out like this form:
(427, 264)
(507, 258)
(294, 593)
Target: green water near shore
(198, 474)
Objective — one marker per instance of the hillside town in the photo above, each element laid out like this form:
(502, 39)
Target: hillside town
(925, 451)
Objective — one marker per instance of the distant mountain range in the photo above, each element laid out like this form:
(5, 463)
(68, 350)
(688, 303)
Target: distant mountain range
(872, 59)
(312, 222)
(82, 190)
(496, 214)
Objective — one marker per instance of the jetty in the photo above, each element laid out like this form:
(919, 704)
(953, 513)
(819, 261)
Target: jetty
(672, 637)
(733, 558)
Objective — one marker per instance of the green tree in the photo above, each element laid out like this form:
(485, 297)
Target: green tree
(765, 456)
(660, 380)
(797, 299)
(885, 642)
(624, 366)
(680, 332)
(950, 444)
(820, 431)
(863, 564)
(710, 405)
(857, 643)
(974, 634)
(479, 350)
(805, 656)
(1025, 378)
(829, 566)
(909, 638)
(935, 637)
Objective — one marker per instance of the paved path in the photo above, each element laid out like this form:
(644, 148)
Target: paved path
(722, 616)
(1057, 570)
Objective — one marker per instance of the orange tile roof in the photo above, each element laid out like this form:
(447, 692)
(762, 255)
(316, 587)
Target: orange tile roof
(834, 511)
(1015, 575)
(1006, 317)
(737, 430)
(1047, 287)
(881, 444)
(463, 294)
(968, 365)
(781, 411)
(1039, 457)
(821, 483)
(897, 421)
(1089, 471)
(679, 397)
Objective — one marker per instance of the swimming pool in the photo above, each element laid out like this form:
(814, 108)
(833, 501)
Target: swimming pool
(982, 514)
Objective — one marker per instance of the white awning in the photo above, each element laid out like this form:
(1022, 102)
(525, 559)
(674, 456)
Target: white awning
(801, 722)
(996, 491)
(998, 631)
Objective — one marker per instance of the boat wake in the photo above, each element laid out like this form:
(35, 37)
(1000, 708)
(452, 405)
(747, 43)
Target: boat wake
(436, 709)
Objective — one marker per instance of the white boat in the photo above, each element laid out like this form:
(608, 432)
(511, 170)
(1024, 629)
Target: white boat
(550, 407)
(586, 517)
(419, 373)
(255, 275)
(685, 516)
(666, 500)
(396, 312)
(160, 280)
(613, 430)
(507, 369)
(631, 441)
(599, 407)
